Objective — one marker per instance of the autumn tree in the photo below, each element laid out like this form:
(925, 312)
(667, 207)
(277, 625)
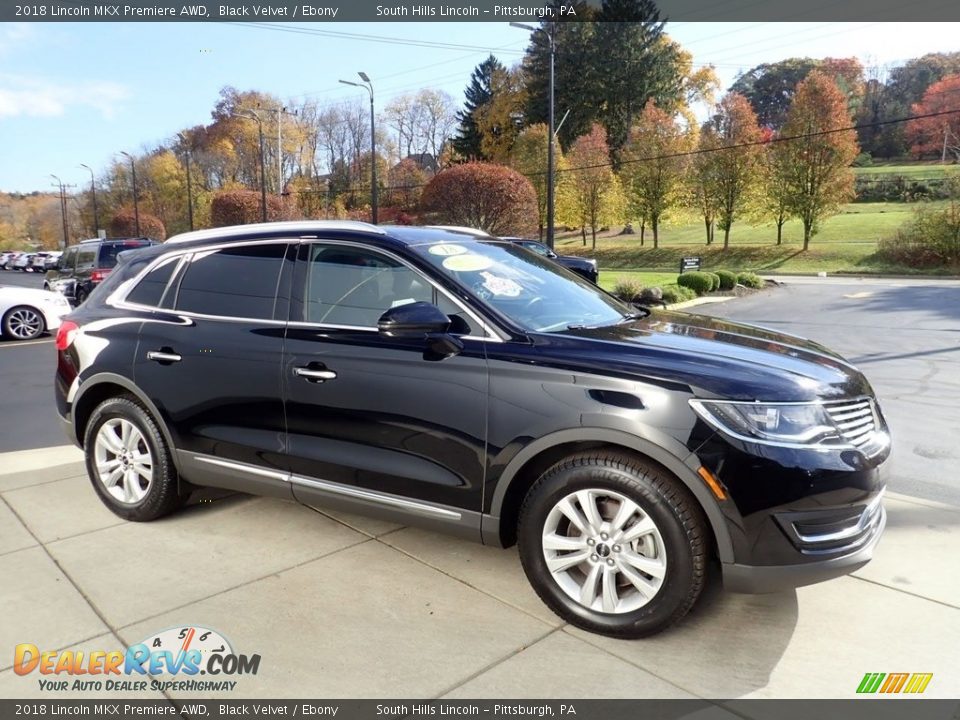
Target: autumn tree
(774, 202)
(654, 166)
(814, 155)
(407, 181)
(703, 185)
(499, 120)
(125, 224)
(529, 158)
(478, 93)
(734, 161)
(592, 179)
(489, 197)
(241, 207)
(939, 135)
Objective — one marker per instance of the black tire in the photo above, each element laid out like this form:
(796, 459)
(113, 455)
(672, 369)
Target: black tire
(165, 493)
(80, 296)
(660, 496)
(13, 323)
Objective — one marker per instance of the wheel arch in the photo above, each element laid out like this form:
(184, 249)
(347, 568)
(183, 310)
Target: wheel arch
(103, 386)
(499, 525)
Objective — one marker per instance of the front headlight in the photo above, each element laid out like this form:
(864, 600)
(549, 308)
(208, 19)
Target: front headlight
(778, 423)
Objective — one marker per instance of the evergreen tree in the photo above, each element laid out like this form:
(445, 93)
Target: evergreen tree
(478, 93)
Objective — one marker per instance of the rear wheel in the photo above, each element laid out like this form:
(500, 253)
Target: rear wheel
(129, 463)
(23, 323)
(80, 296)
(613, 544)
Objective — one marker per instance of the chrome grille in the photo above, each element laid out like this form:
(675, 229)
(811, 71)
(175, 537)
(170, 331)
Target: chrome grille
(856, 420)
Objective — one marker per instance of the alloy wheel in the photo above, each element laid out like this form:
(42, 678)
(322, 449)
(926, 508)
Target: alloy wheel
(24, 323)
(123, 460)
(604, 551)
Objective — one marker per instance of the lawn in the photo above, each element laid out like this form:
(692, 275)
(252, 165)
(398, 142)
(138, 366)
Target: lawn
(847, 242)
(924, 170)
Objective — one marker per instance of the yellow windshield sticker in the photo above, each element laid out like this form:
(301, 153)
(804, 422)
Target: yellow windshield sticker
(446, 249)
(471, 262)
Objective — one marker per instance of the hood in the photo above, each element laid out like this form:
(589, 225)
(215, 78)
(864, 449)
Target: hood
(22, 294)
(716, 358)
(573, 260)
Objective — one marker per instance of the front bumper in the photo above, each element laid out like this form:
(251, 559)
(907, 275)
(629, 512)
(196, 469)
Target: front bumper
(776, 578)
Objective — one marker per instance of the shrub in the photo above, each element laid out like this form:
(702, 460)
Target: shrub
(699, 282)
(714, 281)
(728, 280)
(490, 197)
(677, 293)
(930, 239)
(651, 296)
(750, 280)
(627, 289)
(124, 224)
(241, 207)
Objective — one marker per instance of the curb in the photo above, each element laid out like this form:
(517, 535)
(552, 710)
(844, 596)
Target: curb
(701, 301)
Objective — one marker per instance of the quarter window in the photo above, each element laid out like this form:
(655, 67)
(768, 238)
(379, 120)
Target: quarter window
(233, 282)
(149, 291)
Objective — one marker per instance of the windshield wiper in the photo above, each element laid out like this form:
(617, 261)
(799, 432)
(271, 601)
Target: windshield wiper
(641, 313)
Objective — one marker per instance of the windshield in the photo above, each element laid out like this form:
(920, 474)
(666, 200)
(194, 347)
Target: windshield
(535, 293)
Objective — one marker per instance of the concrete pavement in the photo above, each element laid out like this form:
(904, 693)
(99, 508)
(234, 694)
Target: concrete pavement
(342, 606)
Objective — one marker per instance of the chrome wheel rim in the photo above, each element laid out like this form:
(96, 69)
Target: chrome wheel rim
(604, 551)
(25, 323)
(123, 460)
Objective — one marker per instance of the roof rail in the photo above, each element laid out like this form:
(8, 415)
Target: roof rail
(297, 227)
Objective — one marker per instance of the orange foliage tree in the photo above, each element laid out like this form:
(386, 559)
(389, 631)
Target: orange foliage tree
(240, 207)
(812, 158)
(124, 224)
(939, 135)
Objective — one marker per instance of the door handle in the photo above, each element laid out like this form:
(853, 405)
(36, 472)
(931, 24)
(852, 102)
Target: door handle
(163, 357)
(314, 374)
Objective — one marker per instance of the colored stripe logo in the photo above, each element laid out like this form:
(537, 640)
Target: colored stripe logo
(906, 683)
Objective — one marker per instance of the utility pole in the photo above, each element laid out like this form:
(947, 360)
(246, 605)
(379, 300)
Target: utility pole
(63, 209)
(280, 111)
(93, 195)
(368, 86)
(136, 202)
(186, 153)
(551, 131)
(251, 115)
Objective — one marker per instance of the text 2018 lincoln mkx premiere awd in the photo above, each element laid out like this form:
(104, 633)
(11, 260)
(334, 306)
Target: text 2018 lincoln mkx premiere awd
(469, 385)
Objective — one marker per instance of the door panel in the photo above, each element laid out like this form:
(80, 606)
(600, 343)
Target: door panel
(372, 412)
(216, 380)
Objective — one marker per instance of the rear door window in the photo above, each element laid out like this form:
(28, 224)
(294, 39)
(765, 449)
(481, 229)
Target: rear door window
(86, 256)
(239, 281)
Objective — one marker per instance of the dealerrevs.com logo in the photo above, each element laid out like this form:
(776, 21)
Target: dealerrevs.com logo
(172, 659)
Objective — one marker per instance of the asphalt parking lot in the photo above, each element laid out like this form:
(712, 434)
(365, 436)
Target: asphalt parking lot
(341, 606)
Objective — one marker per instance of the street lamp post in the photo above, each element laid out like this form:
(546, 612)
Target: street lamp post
(550, 129)
(93, 195)
(63, 210)
(263, 172)
(186, 154)
(136, 203)
(368, 86)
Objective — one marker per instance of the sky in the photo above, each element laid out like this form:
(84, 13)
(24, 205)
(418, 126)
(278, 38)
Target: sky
(73, 93)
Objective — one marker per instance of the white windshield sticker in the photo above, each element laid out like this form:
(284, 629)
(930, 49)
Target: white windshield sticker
(405, 301)
(445, 249)
(471, 262)
(501, 286)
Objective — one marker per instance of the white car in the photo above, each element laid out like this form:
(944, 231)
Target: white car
(26, 313)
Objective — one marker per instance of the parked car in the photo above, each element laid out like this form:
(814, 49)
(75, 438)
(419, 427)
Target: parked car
(24, 261)
(586, 267)
(6, 260)
(51, 259)
(84, 266)
(463, 383)
(26, 313)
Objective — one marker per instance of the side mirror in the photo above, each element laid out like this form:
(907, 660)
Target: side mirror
(413, 320)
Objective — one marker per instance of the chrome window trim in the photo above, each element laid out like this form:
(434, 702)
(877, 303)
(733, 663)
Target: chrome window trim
(118, 297)
(293, 228)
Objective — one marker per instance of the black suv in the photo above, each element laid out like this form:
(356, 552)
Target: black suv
(586, 267)
(468, 385)
(84, 266)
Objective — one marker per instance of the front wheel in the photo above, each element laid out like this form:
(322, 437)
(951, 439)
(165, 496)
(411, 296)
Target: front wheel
(613, 544)
(129, 463)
